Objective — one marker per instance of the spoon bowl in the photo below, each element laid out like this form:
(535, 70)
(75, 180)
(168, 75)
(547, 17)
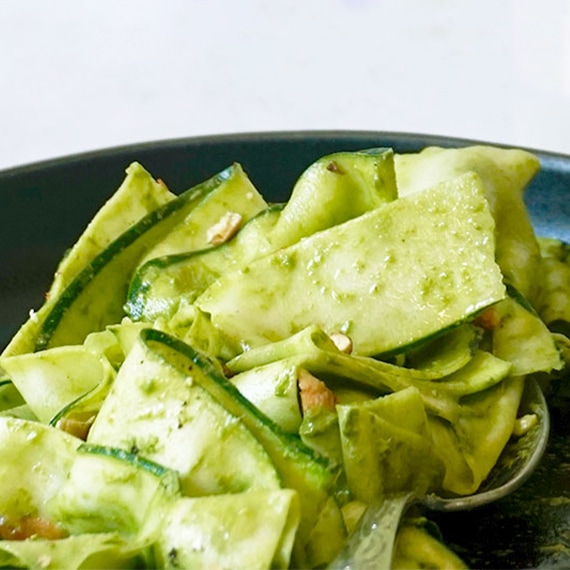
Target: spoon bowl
(371, 544)
(518, 461)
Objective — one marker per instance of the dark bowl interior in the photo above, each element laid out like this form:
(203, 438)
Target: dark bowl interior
(45, 206)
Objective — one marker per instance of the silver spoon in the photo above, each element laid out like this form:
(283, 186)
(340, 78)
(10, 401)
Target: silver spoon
(370, 546)
(517, 462)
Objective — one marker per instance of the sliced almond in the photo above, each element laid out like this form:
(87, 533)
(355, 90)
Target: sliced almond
(314, 393)
(224, 229)
(342, 342)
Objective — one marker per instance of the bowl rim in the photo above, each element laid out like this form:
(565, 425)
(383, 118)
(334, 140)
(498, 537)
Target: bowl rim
(398, 137)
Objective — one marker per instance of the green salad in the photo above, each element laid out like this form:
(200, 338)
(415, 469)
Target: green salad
(216, 381)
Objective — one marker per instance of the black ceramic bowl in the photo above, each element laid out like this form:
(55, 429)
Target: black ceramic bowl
(45, 206)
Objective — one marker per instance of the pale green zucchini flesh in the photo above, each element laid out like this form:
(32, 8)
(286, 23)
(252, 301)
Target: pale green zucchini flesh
(388, 279)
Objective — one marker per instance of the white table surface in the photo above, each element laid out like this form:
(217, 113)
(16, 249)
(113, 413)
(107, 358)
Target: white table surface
(77, 75)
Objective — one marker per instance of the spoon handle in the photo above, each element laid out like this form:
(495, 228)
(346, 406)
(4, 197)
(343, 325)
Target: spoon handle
(371, 544)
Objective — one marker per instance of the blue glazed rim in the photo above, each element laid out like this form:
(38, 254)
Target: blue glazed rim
(189, 160)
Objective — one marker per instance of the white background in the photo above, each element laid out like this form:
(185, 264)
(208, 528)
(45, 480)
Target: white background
(78, 75)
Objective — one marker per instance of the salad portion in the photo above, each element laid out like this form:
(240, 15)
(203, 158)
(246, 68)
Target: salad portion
(219, 381)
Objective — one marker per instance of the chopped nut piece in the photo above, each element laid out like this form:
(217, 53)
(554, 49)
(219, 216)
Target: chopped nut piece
(78, 427)
(524, 424)
(314, 393)
(489, 319)
(162, 183)
(334, 166)
(224, 229)
(342, 342)
(30, 526)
